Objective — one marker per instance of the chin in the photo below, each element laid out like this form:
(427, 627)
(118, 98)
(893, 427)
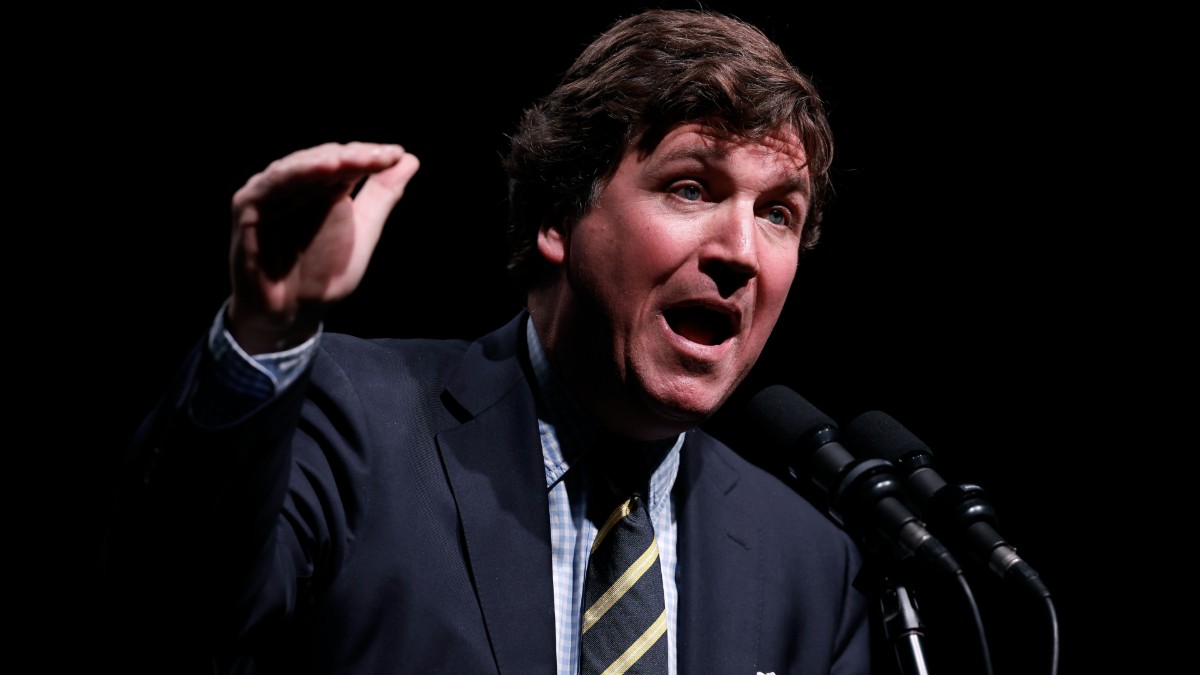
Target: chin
(682, 408)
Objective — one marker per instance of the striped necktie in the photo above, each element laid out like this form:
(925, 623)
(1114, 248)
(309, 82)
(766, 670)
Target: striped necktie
(624, 624)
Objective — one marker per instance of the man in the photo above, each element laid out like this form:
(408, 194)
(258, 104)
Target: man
(305, 501)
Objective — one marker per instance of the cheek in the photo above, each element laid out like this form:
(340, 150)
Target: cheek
(645, 250)
(774, 282)
(657, 254)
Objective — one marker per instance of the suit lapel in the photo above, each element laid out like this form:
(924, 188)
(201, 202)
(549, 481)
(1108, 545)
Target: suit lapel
(494, 463)
(720, 576)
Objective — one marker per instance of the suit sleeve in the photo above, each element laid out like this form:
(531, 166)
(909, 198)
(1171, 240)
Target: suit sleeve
(198, 553)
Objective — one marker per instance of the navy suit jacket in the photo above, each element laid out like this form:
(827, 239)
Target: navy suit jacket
(389, 515)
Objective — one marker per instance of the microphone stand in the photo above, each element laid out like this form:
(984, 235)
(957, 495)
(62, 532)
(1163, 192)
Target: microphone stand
(903, 627)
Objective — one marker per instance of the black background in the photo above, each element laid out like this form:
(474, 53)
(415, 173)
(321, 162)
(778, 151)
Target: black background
(993, 273)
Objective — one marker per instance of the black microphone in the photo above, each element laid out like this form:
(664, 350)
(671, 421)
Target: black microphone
(961, 513)
(862, 496)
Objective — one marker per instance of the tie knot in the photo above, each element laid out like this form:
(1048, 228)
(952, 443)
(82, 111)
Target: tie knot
(623, 467)
(623, 627)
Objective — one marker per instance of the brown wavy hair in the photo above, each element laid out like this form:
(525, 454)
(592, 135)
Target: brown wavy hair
(641, 77)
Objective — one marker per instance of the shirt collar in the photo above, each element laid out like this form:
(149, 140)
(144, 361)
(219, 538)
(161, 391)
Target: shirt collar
(568, 430)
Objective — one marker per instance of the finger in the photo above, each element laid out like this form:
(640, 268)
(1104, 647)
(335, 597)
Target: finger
(380, 192)
(334, 166)
(357, 159)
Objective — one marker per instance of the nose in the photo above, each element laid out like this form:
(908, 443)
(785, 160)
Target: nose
(729, 254)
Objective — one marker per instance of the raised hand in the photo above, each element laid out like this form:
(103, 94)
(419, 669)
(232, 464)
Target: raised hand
(302, 237)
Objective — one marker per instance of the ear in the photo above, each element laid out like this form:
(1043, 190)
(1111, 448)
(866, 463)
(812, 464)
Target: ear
(552, 243)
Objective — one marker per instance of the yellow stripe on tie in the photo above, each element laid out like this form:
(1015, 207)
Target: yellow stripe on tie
(639, 647)
(618, 513)
(618, 589)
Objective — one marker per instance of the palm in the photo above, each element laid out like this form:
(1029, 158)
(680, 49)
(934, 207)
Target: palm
(301, 241)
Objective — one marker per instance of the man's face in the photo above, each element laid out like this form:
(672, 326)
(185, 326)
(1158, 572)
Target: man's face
(671, 284)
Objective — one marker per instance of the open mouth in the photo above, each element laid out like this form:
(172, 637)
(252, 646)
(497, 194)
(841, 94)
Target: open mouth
(700, 324)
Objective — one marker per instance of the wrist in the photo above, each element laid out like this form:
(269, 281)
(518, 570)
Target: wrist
(260, 333)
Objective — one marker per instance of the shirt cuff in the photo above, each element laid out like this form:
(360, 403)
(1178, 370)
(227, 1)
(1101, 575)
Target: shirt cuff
(259, 377)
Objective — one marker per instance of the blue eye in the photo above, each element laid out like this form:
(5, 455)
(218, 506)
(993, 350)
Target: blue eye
(778, 216)
(689, 192)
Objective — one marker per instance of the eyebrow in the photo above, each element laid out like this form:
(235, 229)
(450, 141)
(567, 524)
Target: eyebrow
(702, 152)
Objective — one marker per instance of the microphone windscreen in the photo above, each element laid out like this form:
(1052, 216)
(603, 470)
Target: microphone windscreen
(782, 418)
(877, 434)
(773, 427)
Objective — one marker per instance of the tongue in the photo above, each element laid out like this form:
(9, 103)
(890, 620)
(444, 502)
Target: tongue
(697, 332)
(695, 326)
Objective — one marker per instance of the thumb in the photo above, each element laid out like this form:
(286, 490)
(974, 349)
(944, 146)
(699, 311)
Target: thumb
(380, 192)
